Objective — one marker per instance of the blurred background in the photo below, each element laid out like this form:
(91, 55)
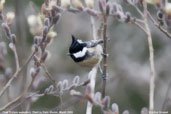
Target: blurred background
(128, 62)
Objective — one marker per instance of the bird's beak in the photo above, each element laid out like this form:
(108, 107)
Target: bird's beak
(68, 54)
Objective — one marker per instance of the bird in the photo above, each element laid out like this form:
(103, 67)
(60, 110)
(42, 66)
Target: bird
(86, 54)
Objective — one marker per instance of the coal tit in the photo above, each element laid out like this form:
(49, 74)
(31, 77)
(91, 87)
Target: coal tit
(86, 54)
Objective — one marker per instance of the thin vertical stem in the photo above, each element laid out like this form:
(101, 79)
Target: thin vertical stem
(164, 106)
(151, 58)
(104, 53)
(158, 25)
(16, 74)
(93, 28)
(93, 72)
(92, 77)
(16, 58)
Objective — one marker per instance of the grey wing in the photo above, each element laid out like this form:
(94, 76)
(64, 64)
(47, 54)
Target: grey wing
(93, 43)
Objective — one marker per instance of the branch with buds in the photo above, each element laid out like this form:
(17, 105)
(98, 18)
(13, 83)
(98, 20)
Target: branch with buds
(43, 34)
(53, 90)
(103, 103)
(6, 23)
(52, 17)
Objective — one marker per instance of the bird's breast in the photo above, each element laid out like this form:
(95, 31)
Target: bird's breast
(89, 62)
(94, 57)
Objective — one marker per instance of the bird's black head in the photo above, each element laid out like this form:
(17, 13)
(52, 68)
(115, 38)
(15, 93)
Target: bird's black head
(75, 46)
(77, 50)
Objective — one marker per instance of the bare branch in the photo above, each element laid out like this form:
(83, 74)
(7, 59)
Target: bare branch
(16, 58)
(151, 58)
(140, 26)
(93, 72)
(48, 74)
(15, 75)
(159, 25)
(105, 54)
(11, 103)
(92, 77)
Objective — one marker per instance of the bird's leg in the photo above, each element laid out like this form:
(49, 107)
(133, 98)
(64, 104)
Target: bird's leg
(105, 54)
(100, 69)
(108, 38)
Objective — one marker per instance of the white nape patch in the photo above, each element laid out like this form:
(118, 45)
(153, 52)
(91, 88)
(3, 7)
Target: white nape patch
(80, 41)
(80, 53)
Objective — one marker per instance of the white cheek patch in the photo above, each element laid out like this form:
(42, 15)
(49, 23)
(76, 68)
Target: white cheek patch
(80, 53)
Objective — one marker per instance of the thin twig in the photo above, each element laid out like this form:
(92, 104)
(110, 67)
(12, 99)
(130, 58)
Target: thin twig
(9, 82)
(31, 84)
(159, 26)
(166, 97)
(139, 11)
(16, 58)
(151, 58)
(139, 21)
(24, 99)
(11, 103)
(93, 72)
(92, 77)
(141, 27)
(48, 74)
(23, 95)
(93, 28)
(19, 100)
(105, 54)
(15, 75)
